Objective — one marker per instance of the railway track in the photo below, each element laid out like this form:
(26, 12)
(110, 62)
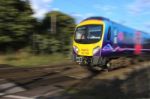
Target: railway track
(62, 80)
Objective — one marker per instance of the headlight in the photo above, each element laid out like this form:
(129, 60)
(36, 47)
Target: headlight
(96, 49)
(75, 49)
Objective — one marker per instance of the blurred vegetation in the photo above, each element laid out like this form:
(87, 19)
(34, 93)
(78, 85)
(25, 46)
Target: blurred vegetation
(16, 24)
(25, 59)
(20, 30)
(48, 41)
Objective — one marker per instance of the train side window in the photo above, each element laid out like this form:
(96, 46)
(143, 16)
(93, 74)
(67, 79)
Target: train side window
(109, 34)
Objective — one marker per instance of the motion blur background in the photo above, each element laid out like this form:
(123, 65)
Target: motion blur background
(38, 32)
(31, 40)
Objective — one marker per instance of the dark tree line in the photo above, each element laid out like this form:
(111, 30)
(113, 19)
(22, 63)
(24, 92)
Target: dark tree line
(18, 29)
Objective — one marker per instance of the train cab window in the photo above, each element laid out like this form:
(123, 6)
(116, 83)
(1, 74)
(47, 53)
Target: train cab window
(88, 34)
(109, 34)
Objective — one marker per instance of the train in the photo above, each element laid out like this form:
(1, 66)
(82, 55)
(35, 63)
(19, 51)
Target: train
(98, 40)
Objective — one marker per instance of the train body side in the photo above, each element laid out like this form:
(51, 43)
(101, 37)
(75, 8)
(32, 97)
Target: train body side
(97, 41)
(121, 41)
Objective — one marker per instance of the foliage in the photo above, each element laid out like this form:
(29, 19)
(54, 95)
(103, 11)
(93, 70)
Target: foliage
(15, 23)
(47, 41)
(44, 44)
(18, 29)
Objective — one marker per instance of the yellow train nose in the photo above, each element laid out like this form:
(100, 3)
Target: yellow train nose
(87, 49)
(85, 52)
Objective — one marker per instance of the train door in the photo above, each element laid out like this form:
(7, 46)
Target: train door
(109, 35)
(112, 39)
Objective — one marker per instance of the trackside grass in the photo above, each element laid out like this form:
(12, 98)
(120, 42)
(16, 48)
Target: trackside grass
(29, 60)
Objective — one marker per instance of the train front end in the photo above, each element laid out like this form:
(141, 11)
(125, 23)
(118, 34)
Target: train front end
(87, 41)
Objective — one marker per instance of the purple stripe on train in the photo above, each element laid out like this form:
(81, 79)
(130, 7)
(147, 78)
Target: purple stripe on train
(107, 49)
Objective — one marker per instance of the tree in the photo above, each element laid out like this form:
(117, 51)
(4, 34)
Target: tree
(64, 25)
(16, 23)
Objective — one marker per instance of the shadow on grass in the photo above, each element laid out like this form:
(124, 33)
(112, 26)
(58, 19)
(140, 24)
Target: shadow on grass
(5, 66)
(136, 86)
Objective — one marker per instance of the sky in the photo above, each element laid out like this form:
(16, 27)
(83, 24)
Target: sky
(132, 13)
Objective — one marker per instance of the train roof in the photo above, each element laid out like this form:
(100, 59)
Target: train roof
(106, 19)
(96, 18)
(100, 18)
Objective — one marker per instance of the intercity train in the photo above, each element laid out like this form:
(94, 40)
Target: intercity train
(97, 40)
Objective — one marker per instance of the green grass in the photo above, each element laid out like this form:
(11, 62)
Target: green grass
(29, 60)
